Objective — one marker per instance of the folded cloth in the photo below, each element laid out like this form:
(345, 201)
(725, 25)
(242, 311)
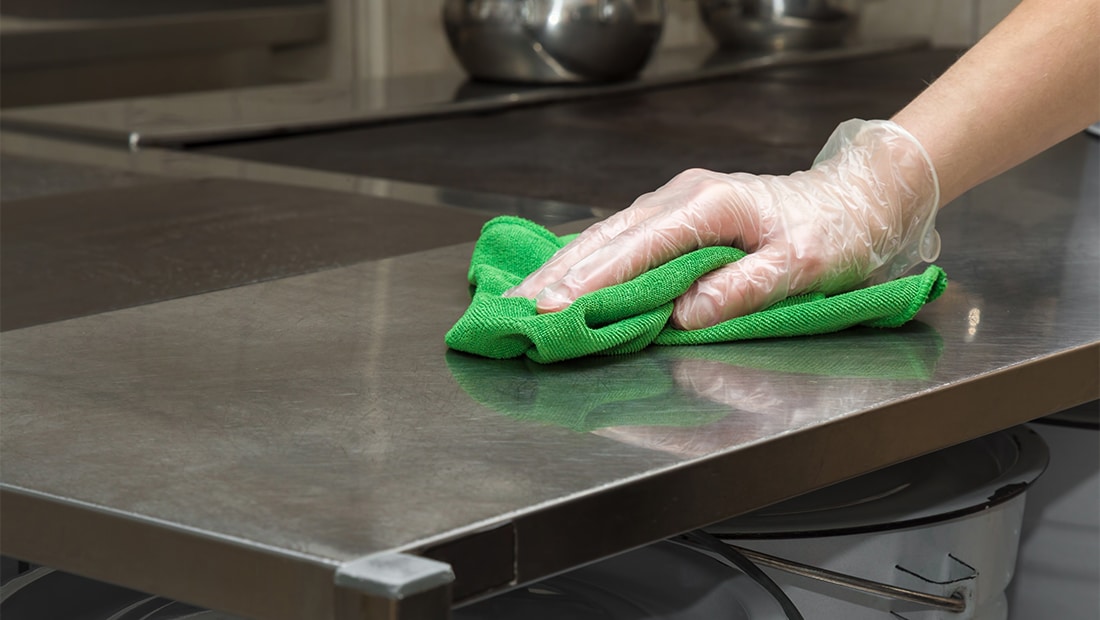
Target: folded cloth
(627, 317)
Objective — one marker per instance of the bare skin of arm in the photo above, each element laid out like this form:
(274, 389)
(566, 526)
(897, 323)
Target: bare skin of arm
(1030, 83)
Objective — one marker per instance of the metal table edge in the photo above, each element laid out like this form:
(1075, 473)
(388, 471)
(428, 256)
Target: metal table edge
(979, 406)
(38, 525)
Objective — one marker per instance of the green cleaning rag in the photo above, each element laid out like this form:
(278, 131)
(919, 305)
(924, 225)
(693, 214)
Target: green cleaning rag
(627, 317)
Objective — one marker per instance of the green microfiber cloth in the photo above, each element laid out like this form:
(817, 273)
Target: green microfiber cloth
(627, 317)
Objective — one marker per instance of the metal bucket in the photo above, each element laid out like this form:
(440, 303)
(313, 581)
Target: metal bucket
(932, 538)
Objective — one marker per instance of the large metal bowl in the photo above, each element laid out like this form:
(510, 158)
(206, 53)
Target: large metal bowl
(779, 24)
(553, 40)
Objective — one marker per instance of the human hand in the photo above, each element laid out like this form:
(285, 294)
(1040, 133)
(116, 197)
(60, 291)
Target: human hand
(864, 213)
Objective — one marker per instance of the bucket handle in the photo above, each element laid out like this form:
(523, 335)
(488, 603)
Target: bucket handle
(711, 544)
(954, 603)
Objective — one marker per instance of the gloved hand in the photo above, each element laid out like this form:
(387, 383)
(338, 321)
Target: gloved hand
(864, 213)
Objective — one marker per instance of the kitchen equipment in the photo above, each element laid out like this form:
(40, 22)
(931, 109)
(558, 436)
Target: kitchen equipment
(931, 538)
(553, 40)
(1058, 565)
(779, 24)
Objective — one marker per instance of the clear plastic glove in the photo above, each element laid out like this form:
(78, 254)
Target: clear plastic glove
(864, 213)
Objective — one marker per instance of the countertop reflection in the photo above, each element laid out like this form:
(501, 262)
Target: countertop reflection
(695, 401)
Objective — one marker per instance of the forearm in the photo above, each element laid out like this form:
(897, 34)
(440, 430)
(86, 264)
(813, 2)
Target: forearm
(1030, 83)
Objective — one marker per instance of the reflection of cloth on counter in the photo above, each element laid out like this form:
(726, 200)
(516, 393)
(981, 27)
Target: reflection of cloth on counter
(627, 317)
(634, 395)
(909, 353)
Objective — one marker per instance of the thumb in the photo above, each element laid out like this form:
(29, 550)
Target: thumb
(750, 284)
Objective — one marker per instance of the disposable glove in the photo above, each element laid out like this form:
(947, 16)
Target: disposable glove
(864, 213)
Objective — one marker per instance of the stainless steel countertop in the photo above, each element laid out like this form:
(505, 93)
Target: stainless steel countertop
(29, 177)
(272, 110)
(255, 449)
(53, 164)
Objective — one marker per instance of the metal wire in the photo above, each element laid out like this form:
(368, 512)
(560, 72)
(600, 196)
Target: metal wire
(955, 603)
(708, 542)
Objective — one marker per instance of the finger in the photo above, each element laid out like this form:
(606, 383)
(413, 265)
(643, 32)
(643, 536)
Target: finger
(562, 260)
(587, 242)
(635, 250)
(752, 283)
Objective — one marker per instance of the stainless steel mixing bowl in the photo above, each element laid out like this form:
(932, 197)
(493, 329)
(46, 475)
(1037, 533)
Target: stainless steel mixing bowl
(779, 24)
(553, 40)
